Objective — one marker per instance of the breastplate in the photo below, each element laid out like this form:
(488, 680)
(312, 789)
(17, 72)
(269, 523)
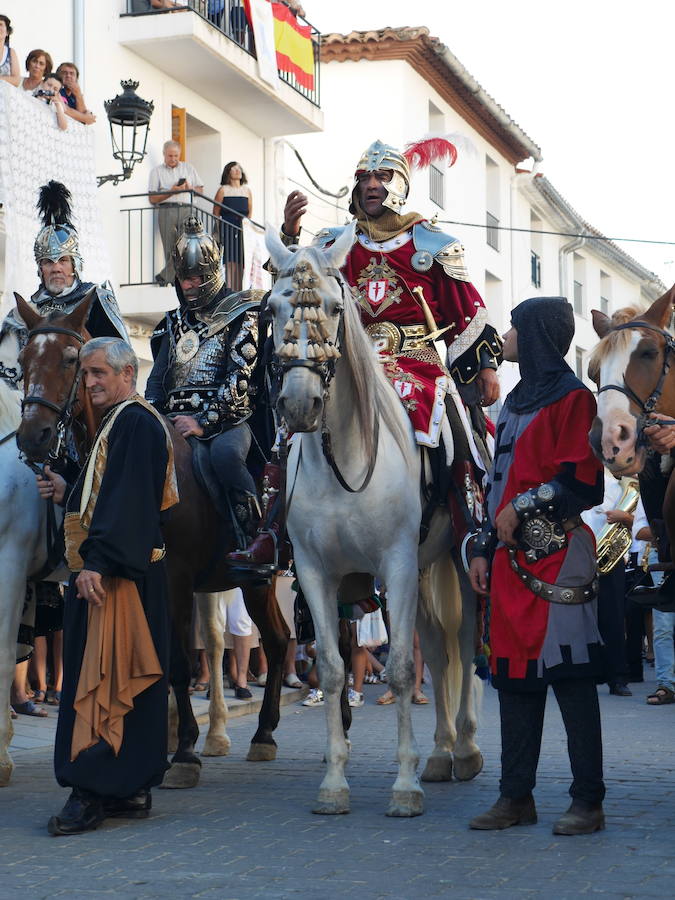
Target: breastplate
(195, 357)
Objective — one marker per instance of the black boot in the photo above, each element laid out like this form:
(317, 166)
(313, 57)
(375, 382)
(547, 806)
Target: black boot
(82, 812)
(137, 806)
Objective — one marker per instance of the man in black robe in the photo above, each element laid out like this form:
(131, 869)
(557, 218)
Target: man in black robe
(116, 503)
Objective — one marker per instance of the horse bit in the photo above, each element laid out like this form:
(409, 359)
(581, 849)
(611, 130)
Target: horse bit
(326, 372)
(646, 407)
(65, 412)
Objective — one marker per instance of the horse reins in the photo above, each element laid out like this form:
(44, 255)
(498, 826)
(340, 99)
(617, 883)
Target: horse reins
(646, 407)
(64, 412)
(326, 372)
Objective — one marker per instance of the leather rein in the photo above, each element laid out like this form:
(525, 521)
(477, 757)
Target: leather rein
(646, 407)
(326, 372)
(64, 413)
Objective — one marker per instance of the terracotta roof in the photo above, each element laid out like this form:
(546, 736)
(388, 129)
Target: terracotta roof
(446, 74)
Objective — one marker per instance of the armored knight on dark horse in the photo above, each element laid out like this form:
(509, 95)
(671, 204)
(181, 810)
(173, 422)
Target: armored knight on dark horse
(204, 379)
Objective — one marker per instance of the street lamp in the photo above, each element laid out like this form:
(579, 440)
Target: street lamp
(129, 117)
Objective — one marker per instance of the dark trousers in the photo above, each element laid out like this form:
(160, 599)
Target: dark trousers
(611, 623)
(522, 724)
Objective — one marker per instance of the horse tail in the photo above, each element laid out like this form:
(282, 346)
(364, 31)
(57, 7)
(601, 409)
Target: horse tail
(446, 608)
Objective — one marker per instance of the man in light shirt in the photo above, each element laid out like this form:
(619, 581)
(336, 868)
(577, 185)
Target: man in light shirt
(168, 188)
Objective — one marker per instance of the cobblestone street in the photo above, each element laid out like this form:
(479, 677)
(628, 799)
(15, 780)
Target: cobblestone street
(247, 830)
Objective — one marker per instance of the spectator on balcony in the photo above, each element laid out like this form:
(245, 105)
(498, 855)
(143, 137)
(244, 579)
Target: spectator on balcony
(72, 94)
(49, 92)
(168, 188)
(9, 62)
(39, 66)
(143, 6)
(232, 203)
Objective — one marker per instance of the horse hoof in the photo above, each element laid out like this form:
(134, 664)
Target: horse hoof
(467, 767)
(216, 745)
(6, 773)
(261, 753)
(406, 804)
(332, 803)
(181, 776)
(438, 768)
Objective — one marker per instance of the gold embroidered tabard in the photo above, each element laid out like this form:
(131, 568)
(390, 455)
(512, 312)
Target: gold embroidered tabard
(76, 524)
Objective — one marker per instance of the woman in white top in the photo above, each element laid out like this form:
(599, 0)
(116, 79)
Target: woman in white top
(39, 66)
(233, 202)
(9, 63)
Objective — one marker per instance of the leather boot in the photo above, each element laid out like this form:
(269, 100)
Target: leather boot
(137, 806)
(505, 813)
(82, 812)
(261, 552)
(581, 818)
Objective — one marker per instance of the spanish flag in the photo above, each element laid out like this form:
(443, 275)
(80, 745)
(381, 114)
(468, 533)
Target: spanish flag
(293, 43)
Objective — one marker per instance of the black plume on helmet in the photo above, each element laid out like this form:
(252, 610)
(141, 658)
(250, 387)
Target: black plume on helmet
(54, 204)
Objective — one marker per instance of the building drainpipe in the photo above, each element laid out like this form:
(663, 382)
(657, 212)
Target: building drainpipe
(563, 253)
(78, 38)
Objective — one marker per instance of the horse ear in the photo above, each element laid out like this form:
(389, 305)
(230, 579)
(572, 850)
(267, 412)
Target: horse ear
(601, 322)
(30, 316)
(279, 254)
(661, 310)
(78, 317)
(336, 254)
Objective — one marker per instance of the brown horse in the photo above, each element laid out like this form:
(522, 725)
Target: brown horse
(196, 538)
(634, 368)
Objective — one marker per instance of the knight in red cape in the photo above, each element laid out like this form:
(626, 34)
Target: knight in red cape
(543, 582)
(394, 256)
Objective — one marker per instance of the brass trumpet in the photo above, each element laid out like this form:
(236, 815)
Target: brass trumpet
(615, 539)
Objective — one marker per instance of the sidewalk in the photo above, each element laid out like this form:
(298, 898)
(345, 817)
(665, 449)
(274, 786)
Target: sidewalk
(33, 733)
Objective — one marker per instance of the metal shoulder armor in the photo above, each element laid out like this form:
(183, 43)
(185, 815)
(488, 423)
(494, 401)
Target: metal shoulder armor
(433, 245)
(108, 301)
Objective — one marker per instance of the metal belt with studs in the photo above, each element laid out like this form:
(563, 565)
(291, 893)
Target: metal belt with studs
(553, 593)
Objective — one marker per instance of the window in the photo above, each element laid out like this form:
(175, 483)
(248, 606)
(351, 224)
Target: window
(604, 305)
(578, 298)
(437, 186)
(492, 202)
(605, 292)
(492, 230)
(579, 353)
(535, 269)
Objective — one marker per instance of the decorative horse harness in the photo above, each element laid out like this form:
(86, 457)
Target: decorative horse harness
(646, 407)
(322, 355)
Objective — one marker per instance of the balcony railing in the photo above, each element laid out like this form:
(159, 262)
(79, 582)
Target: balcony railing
(229, 17)
(144, 253)
(535, 269)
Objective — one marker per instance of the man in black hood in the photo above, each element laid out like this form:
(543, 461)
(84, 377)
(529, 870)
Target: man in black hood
(542, 583)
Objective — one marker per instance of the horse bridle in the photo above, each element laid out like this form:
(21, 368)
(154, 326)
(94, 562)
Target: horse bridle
(647, 406)
(64, 413)
(326, 372)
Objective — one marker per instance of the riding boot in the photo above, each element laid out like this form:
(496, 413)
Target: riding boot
(660, 596)
(260, 553)
(465, 505)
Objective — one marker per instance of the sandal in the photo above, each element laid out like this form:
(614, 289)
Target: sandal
(661, 696)
(420, 699)
(386, 699)
(30, 709)
(292, 681)
(200, 686)
(53, 697)
(39, 696)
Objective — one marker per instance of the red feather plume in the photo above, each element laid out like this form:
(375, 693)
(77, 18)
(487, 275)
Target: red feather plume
(420, 154)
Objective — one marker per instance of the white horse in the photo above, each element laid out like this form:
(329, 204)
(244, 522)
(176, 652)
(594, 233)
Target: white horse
(375, 530)
(23, 552)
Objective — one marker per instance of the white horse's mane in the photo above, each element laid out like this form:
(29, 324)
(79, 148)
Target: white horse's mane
(374, 396)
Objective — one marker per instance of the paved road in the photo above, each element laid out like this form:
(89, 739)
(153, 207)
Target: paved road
(247, 830)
